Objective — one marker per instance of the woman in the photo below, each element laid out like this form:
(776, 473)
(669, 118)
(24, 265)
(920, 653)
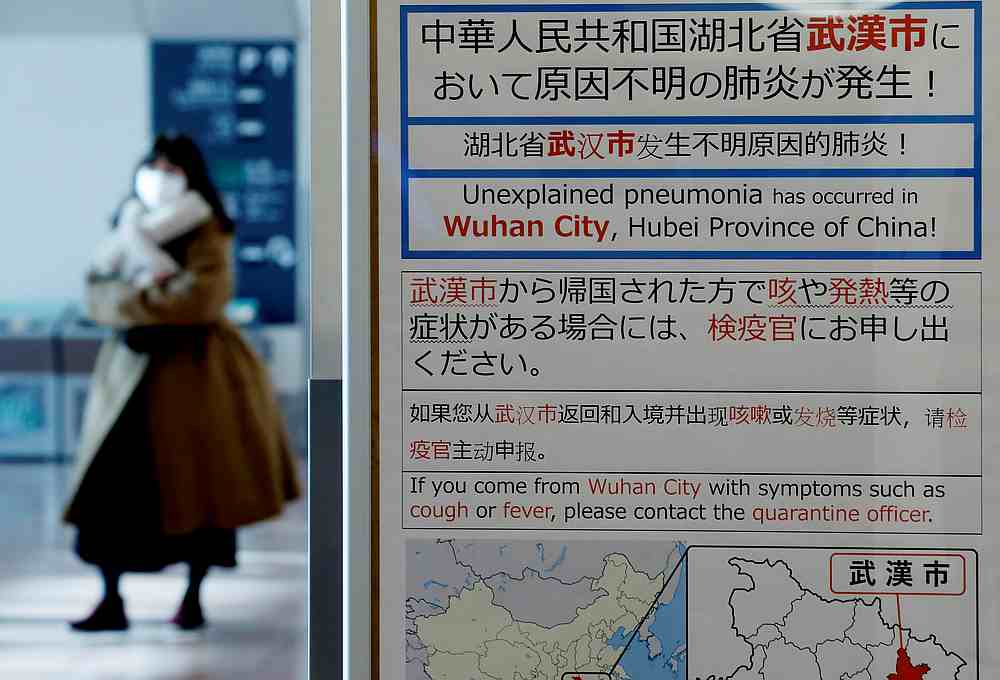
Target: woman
(183, 441)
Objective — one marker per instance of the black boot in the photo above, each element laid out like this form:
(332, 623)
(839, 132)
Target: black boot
(189, 616)
(109, 615)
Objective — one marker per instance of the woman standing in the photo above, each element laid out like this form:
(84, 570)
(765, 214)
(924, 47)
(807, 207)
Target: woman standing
(183, 441)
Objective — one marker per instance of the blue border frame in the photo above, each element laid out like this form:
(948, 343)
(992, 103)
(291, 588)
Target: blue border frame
(407, 174)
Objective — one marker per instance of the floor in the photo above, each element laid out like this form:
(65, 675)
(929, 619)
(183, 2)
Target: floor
(257, 612)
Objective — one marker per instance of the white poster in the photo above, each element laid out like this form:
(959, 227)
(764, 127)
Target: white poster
(684, 319)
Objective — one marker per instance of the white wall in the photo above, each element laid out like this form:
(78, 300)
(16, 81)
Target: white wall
(74, 118)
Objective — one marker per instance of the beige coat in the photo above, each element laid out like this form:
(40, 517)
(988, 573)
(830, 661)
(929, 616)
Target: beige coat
(218, 441)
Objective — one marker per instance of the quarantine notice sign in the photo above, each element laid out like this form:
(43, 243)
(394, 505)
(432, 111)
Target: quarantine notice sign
(687, 359)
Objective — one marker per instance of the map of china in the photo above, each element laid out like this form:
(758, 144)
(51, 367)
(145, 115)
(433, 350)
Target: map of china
(475, 638)
(791, 632)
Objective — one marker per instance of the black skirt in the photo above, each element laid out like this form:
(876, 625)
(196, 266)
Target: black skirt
(122, 529)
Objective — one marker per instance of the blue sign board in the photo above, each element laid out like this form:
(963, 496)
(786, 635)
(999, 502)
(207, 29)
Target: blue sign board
(237, 100)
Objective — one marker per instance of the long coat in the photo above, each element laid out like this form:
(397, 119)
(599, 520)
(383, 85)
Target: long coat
(218, 441)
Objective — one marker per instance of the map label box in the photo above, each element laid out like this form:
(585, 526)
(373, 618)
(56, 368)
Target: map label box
(902, 573)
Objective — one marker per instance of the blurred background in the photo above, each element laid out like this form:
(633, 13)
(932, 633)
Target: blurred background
(84, 88)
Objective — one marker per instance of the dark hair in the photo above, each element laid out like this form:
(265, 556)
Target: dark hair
(182, 151)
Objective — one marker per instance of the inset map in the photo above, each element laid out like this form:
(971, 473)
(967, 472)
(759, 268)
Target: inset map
(771, 614)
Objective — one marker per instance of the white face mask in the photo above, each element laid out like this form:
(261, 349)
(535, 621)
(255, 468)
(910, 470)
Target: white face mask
(157, 188)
